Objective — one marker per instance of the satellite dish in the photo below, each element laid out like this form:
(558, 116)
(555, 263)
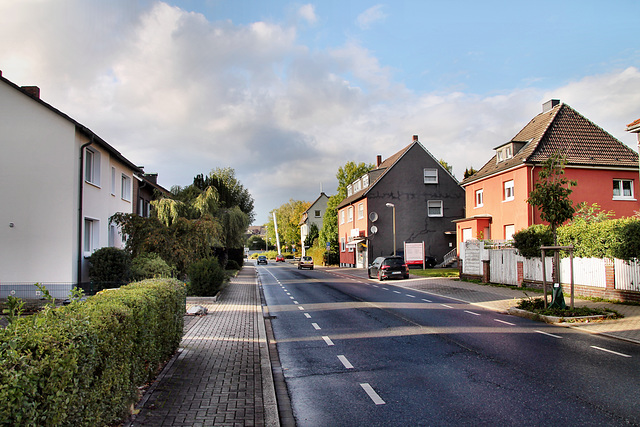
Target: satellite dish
(373, 217)
(374, 229)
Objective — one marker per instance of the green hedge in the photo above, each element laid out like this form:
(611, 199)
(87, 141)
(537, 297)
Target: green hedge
(82, 364)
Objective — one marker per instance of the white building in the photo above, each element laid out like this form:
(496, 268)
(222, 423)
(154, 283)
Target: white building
(59, 184)
(313, 215)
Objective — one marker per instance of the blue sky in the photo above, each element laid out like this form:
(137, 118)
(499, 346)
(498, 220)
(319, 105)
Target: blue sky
(286, 92)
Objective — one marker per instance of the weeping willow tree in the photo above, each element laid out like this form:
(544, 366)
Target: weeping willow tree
(168, 210)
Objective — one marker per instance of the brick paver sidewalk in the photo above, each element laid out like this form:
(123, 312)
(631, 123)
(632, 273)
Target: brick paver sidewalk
(221, 375)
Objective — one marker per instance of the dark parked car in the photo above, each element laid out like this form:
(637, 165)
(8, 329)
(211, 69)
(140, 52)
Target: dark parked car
(386, 267)
(262, 260)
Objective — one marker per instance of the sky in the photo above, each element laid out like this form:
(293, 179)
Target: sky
(287, 92)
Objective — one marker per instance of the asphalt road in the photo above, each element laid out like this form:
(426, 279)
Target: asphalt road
(361, 352)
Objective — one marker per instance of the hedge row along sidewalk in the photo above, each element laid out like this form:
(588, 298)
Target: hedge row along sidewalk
(81, 365)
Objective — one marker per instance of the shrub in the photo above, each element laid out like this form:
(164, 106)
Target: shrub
(82, 364)
(109, 268)
(529, 240)
(205, 277)
(149, 266)
(232, 265)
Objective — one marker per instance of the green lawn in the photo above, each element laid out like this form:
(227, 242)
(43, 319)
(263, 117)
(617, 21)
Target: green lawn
(435, 272)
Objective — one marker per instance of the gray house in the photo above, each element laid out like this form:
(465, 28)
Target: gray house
(312, 216)
(424, 196)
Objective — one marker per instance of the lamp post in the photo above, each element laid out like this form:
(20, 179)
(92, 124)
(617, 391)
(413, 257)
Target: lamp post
(391, 205)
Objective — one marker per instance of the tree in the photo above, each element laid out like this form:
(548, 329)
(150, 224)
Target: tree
(288, 216)
(551, 195)
(446, 166)
(313, 235)
(346, 175)
(469, 172)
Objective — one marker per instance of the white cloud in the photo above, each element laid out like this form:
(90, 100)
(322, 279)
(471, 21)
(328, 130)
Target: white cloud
(370, 16)
(308, 13)
(182, 95)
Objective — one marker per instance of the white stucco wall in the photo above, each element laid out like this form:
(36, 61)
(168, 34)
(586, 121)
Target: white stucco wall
(38, 188)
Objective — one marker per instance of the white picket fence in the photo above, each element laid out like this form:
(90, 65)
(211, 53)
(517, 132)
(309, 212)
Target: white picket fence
(586, 271)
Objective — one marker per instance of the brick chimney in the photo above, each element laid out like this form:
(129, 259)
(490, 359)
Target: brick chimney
(32, 90)
(378, 160)
(415, 138)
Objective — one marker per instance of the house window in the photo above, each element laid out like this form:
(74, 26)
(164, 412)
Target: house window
(343, 244)
(508, 191)
(113, 231)
(349, 190)
(509, 231)
(350, 214)
(113, 181)
(434, 208)
(91, 235)
(342, 216)
(126, 188)
(360, 210)
(430, 175)
(479, 198)
(92, 166)
(317, 214)
(365, 181)
(623, 189)
(500, 156)
(357, 186)
(507, 153)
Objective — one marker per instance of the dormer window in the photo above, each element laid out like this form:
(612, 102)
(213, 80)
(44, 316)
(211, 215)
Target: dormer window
(349, 190)
(365, 181)
(357, 186)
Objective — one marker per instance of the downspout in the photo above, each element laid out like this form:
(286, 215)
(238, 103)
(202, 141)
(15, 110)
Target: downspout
(531, 208)
(80, 212)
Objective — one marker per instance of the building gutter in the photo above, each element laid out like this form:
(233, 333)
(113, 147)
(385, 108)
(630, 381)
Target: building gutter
(80, 211)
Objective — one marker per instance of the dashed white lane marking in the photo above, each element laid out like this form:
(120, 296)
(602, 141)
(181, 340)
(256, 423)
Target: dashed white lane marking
(611, 351)
(315, 326)
(445, 305)
(345, 362)
(410, 296)
(375, 286)
(291, 298)
(548, 334)
(307, 315)
(397, 292)
(288, 293)
(296, 302)
(426, 300)
(506, 323)
(471, 312)
(386, 289)
(372, 394)
(327, 340)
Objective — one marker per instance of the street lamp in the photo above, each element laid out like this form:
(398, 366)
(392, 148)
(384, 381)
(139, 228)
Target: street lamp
(391, 205)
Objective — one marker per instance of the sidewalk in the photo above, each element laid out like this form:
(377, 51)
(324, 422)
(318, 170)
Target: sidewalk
(501, 298)
(221, 375)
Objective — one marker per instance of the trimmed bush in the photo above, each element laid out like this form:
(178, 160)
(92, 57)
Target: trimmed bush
(205, 277)
(109, 268)
(529, 240)
(149, 266)
(81, 364)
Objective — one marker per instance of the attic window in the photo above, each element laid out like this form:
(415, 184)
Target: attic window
(357, 186)
(504, 153)
(365, 181)
(349, 190)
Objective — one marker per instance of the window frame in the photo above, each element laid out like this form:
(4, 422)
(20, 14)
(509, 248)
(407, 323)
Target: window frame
(430, 204)
(479, 201)
(92, 166)
(317, 213)
(125, 188)
(343, 244)
(91, 236)
(350, 214)
(342, 216)
(621, 189)
(505, 188)
(430, 175)
(113, 180)
(360, 210)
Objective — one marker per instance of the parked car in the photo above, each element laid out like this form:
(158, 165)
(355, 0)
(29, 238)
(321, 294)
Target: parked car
(386, 267)
(429, 262)
(305, 262)
(279, 258)
(262, 260)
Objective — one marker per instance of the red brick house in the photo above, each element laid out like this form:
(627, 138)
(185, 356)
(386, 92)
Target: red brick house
(606, 171)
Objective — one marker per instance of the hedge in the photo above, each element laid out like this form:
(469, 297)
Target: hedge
(82, 364)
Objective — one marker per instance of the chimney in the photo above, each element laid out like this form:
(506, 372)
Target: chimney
(415, 138)
(32, 90)
(378, 161)
(152, 177)
(549, 105)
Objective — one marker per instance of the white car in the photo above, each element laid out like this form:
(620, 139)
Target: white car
(305, 262)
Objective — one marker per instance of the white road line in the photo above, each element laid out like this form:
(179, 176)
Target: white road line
(288, 293)
(327, 340)
(426, 300)
(386, 289)
(296, 302)
(345, 362)
(397, 292)
(291, 298)
(375, 286)
(445, 305)
(410, 296)
(372, 394)
(471, 312)
(611, 351)
(506, 323)
(301, 308)
(548, 334)
(315, 326)
(307, 315)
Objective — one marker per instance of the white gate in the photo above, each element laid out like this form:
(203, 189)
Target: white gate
(503, 266)
(627, 275)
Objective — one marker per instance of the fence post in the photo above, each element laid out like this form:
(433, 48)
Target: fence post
(486, 271)
(520, 273)
(610, 274)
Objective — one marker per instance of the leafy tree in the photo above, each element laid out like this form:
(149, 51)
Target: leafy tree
(288, 216)
(591, 213)
(551, 195)
(446, 165)
(346, 175)
(469, 172)
(255, 243)
(313, 235)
